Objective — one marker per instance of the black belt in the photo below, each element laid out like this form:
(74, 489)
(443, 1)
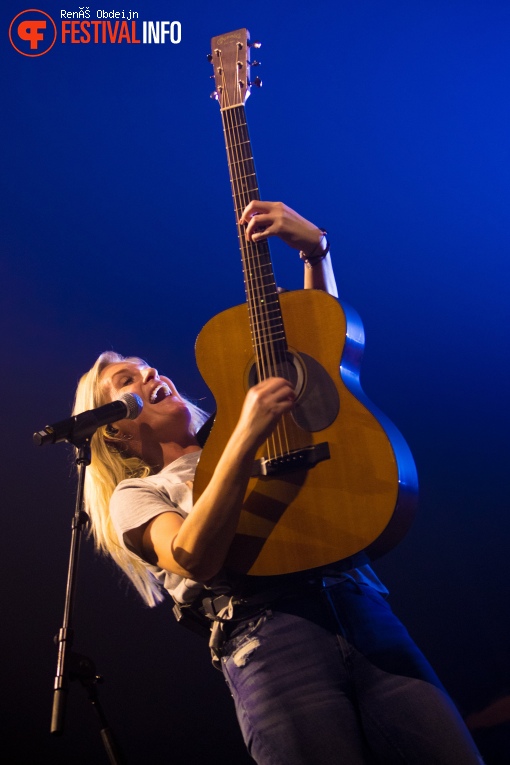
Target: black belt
(213, 605)
(250, 594)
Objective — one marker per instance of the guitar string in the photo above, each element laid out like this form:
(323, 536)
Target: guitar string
(242, 174)
(261, 321)
(272, 355)
(236, 148)
(256, 254)
(230, 143)
(227, 114)
(234, 145)
(243, 193)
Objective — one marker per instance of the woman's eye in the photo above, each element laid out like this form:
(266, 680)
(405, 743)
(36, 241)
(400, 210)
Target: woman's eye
(126, 381)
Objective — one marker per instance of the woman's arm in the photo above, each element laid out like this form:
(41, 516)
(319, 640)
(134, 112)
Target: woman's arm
(197, 546)
(263, 219)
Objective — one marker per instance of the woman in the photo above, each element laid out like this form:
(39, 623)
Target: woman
(320, 669)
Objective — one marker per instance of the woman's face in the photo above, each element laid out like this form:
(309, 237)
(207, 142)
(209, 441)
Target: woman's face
(165, 415)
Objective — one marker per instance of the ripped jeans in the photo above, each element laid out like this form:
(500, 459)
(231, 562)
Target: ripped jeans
(333, 678)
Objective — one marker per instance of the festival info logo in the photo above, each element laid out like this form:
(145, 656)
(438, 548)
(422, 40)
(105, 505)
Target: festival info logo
(32, 33)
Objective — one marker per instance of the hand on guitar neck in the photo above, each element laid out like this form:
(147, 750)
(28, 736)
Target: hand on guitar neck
(265, 219)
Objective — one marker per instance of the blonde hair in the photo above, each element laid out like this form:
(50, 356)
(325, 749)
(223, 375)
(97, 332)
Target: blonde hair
(108, 467)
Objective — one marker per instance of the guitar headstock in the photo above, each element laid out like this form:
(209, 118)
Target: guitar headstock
(230, 58)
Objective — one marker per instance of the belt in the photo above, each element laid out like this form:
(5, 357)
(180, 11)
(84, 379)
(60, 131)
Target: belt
(239, 605)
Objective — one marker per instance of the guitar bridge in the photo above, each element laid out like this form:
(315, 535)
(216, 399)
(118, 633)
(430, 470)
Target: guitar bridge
(298, 459)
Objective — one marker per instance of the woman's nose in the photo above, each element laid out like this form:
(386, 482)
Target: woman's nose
(149, 374)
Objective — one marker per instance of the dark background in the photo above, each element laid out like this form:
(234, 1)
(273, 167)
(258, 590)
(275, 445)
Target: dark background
(387, 123)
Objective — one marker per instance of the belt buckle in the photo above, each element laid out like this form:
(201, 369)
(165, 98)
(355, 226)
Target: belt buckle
(212, 606)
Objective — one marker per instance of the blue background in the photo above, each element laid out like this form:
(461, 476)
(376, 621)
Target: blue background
(386, 123)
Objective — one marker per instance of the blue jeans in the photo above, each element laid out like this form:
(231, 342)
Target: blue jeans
(334, 678)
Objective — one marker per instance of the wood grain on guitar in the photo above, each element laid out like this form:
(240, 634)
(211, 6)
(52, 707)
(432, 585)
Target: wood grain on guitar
(336, 477)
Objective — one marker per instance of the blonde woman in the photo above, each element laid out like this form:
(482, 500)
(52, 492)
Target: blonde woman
(320, 669)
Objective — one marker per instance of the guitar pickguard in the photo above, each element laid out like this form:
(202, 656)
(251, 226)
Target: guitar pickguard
(317, 400)
(318, 403)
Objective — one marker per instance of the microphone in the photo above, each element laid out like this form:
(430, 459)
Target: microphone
(81, 426)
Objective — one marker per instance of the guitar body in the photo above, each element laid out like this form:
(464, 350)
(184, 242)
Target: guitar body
(361, 493)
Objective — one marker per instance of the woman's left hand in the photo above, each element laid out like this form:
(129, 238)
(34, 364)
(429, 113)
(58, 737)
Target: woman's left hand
(263, 219)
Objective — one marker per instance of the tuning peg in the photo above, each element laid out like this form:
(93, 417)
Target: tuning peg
(210, 58)
(254, 63)
(214, 95)
(257, 82)
(255, 44)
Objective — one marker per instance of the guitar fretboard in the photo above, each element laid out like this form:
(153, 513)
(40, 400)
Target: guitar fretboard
(268, 334)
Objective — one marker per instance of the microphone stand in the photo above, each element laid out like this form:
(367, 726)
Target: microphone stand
(70, 665)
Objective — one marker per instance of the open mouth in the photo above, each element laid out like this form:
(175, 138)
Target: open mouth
(160, 393)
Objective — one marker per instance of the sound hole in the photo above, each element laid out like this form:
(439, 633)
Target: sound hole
(289, 366)
(318, 402)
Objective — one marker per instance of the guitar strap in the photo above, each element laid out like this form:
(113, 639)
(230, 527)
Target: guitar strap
(202, 434)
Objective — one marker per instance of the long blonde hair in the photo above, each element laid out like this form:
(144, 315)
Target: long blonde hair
(109, 466)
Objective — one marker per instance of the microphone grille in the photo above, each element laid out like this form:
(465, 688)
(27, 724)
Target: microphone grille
(134, 405)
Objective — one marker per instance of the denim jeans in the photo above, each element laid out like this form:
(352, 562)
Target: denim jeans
(333, 678)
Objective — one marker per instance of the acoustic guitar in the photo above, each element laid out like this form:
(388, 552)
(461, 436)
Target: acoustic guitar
(336, 477)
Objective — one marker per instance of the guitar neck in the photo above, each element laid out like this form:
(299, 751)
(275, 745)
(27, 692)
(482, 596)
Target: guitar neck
(261, 292)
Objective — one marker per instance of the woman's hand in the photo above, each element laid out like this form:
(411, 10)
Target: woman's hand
(263, 219)
(263, 407)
